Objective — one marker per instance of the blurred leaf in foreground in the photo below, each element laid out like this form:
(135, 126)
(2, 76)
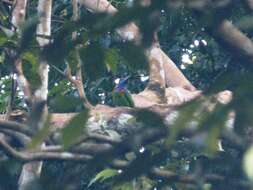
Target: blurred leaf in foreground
(75, 128)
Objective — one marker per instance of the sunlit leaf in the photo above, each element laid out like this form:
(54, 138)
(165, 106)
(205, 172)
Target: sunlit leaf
(30, 57)
(103, 175)
(3, 39)
(30, 68)
(112, 59)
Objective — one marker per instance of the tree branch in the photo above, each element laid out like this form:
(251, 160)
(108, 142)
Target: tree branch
(18, 18)
(234, 40)
(78, 83)
(39, 112)
(18, 13)
(14, 126)
(20, 137)
(40, 156)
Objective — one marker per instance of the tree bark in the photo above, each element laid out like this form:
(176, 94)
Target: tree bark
(31, 171)
(17, 20)
(18, 13)
(234, 40)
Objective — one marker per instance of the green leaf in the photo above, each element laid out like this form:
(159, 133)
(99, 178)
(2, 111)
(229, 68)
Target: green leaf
(57, 51)
(73, 59)
(30, 57)
(214, 123)
(185, 115)
(3, 39)
(28, 32)
(121, 18)
(30, 67)
(93, 61)
(149, 118)
(8, 33)
(112, 59)
(2, 57)
(40, 135)
(103, 175)
(61, 88)
(74, 129)
(134, 56)
(58, 103)
(148, 25)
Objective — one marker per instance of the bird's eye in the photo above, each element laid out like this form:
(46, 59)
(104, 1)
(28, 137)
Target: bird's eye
(116, 81)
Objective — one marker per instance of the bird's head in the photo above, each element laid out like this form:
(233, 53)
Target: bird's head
(121, 86)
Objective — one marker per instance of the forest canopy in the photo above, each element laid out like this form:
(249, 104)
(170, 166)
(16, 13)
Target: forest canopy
(126, 94)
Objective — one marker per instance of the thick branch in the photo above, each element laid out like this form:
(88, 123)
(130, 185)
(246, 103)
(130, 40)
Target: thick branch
(234, 39)
(38, 156)
(18, 13)
(14, 126)
(250, 3)
(39, 115)
(190, 179)
(170, 176)
(18, 18)
(78, 83)
(19, 137)
(57, 153)
(67, 156)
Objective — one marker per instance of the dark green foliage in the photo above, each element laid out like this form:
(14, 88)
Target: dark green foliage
(28, 33)
(149, 118)
(9, 174)
(134, 56)
(30, 66)
(93, 61)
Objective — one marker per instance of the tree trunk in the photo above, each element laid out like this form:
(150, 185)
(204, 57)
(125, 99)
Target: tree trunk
(32, 171)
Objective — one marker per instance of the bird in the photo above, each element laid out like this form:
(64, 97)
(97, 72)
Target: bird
(120, 95)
